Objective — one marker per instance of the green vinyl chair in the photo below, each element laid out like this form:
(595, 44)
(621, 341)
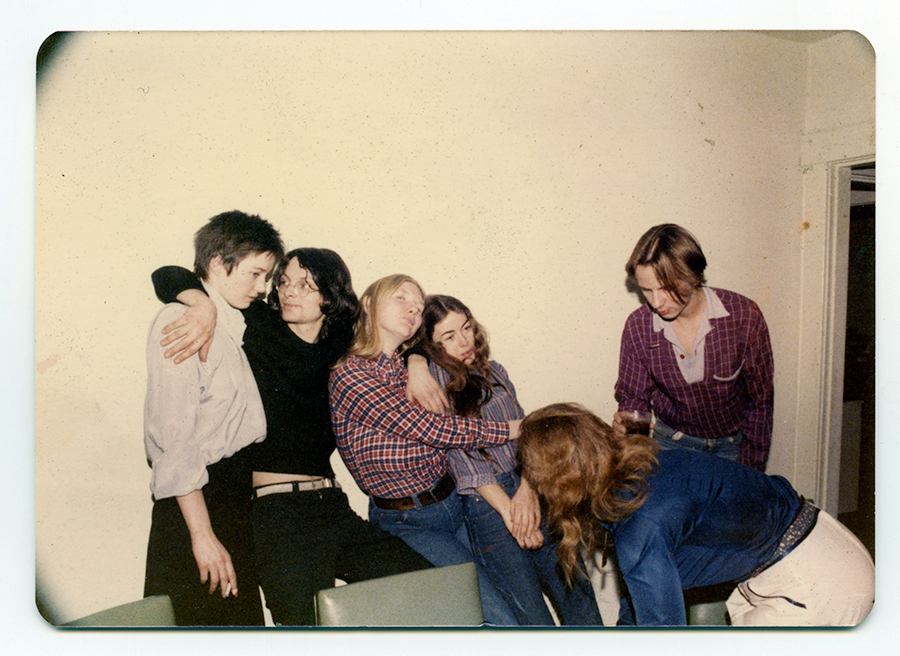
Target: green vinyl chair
(712, 613)
(442, 596)
(150, 611)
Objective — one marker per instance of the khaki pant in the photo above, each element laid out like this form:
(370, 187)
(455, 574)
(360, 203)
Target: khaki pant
(827, 580)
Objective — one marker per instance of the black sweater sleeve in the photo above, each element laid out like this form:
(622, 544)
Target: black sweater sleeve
(415, 349)
(170, 281)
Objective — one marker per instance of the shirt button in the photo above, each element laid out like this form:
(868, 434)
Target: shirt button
(681, 356)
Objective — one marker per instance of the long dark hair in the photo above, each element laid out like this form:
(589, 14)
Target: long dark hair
(470, 385)
(332, 277)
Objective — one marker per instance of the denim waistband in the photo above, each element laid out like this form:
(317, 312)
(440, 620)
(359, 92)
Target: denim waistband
(662, 429)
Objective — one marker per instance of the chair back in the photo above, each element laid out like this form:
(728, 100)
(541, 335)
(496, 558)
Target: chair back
(442, 596)
(150, 611)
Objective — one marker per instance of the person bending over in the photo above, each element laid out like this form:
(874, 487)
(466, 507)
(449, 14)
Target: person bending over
(699, 358)
(680, 519)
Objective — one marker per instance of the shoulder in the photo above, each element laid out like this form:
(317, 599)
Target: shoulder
(639, 323)
(639, 316)
(168, 313)
(741, 308)
(338, 339)
(734, 300)
(499, 370)
(440, 374)
(259, 313)
(354, 366)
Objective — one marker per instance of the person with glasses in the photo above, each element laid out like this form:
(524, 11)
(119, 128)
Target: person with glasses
(305, 532)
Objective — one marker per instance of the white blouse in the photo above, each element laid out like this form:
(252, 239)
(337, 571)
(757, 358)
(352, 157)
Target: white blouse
(197, 413)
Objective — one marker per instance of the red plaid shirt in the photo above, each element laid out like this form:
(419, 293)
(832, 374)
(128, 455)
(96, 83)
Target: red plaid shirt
(736, 392)
(392, 447)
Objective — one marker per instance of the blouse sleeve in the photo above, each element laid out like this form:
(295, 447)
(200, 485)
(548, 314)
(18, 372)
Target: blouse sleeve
(173, 398)
(359, 398)
(647, 561)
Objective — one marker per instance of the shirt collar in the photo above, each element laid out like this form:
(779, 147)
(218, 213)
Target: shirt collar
(227, 317)
(714, 310)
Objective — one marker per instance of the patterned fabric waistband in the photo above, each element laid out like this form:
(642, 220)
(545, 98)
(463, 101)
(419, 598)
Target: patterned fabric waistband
(801, 526)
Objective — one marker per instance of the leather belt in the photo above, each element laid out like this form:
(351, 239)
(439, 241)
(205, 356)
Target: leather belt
(295, 486)
(435, 495)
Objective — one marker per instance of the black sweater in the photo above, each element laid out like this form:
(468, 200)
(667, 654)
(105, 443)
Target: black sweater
(292, 376)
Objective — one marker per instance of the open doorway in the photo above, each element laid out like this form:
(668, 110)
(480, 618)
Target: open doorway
(856, 501)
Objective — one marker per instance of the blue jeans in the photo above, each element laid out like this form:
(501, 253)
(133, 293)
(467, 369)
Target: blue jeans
(521, 574)
(727, 447)
(437, 532)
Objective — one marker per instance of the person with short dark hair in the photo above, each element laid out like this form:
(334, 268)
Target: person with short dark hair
(679, 519)
(305, 533)
(198, 419)
(697, 357)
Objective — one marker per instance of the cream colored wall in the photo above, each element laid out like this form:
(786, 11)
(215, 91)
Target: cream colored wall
(839, 130)
(515, 170)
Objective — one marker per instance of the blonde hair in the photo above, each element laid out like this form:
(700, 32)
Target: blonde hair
(367, 342)
(585, 474)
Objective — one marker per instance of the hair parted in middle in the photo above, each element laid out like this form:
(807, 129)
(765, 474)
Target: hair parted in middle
(367, 342)
(331, 277)
(584, 473)
(675, 256)
(470, 385)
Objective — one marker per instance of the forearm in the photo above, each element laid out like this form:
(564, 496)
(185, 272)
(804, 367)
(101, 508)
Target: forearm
(170, 281)
(496, 497)
(757, 438)
(363, 398)
(634, 384)
(196, 515)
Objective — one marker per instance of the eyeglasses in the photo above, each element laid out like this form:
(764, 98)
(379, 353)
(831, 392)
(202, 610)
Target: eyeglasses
(302, 288)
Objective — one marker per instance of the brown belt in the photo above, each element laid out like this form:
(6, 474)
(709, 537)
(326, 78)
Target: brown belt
(435, 495)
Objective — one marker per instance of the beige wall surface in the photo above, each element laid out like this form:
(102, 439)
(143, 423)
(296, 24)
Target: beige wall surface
(512, 169)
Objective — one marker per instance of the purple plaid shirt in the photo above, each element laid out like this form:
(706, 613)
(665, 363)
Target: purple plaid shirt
(471, 468)
(736, 392)
(391, 447)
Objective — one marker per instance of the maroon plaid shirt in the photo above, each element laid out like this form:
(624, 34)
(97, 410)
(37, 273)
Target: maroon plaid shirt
(392, 447)
(736, 393)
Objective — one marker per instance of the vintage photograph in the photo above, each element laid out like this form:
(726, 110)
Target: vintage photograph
(503, 328)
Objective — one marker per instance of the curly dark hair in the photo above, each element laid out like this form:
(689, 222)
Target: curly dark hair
(332, 278)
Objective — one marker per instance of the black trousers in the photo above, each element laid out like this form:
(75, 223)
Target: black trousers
(172, 569)
(304, 540)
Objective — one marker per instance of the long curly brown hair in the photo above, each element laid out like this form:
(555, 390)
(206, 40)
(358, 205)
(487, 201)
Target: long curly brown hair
(584, 473)
(469, 387)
